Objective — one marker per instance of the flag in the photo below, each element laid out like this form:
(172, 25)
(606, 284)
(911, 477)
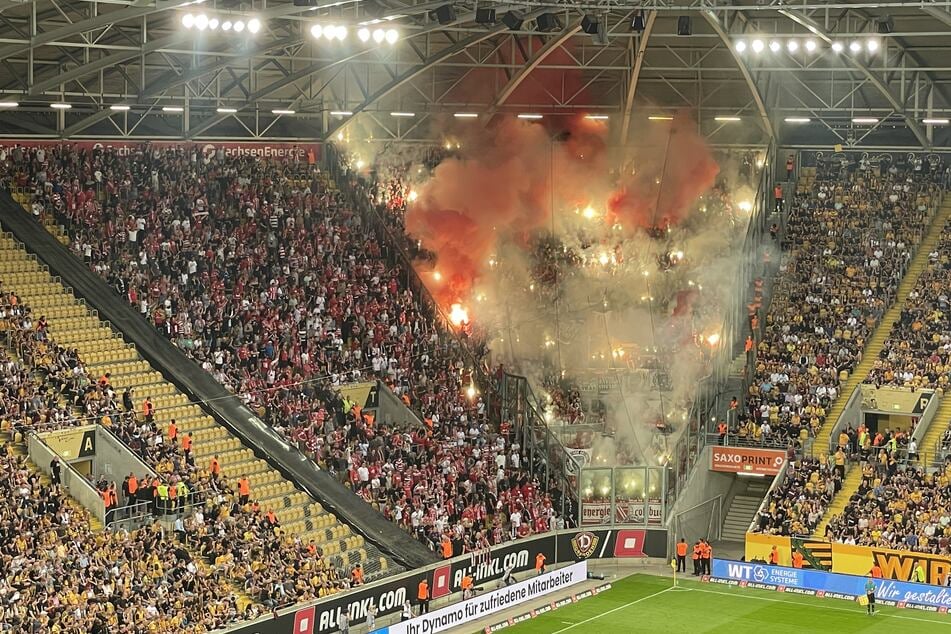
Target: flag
(673, 564)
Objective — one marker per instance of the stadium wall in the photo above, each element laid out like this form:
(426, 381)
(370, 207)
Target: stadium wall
(388, 595)
(847, 559)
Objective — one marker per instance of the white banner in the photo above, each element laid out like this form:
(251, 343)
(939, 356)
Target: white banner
(491, 602)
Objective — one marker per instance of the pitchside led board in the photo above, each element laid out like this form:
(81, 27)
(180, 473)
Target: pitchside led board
(762, 462)
(829, 585)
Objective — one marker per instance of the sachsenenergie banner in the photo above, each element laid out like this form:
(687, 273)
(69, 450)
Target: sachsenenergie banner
(831, 585)
(491, 602)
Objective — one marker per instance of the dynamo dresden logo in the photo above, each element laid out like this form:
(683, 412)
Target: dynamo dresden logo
(584, 544)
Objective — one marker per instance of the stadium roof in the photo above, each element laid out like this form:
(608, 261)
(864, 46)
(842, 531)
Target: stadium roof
(99, 57)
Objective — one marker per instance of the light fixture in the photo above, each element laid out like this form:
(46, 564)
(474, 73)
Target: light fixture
(774, 46)
(727, 119)
(792, 46)
(740, 46)
(213, 23)
(871, 45)
(118, 107)
(466, 115)
(637, 24)
(757, 46)
(868, 120)
(660, 117)
(188, 20)
(254, 25)
(364, 34)
(935, 121)
(281, 111)
(226, 25)
(684, 26)
(597, 117)
(341, 33)
(797, 119)
(173, 109)
(810, 45)
(340, 113)
(379, 35)
(392, 35)
(886, 25)
(61, 106)
(316, 30)
(403, 114)
(239, 26)
(8, 104)
(226, 110)
(855, 46)
(201, 21)
(529, 115)
(838, 47)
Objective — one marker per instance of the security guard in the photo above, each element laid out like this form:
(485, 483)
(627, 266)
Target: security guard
(706, 555)
(466, 587)
(696, 559)
(540, 563)
(422, 594)
(682, 555)
(162, 491)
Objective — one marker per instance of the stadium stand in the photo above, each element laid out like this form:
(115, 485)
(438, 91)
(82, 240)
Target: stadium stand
(797, 504)
(202, 264)
(851, 242)
(57, 575)
(913, 356)
(226, 529)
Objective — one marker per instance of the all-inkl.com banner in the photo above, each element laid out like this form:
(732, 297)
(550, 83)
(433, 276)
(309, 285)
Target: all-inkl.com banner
(491, 602)
(830, 584)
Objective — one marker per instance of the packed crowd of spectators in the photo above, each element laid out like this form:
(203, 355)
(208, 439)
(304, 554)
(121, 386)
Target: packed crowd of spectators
(56, 575)
(796, 506)
(268, 278)
(849, 243)
(917, 353)
(47, 387)
(899, 508)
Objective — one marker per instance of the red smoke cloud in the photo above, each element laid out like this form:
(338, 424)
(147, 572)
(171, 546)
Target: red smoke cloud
(501, 190)
(663, 187)
(504, 185)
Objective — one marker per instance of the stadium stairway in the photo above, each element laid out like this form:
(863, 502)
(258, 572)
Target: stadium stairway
(742, 511)
(872, 349)
(849, 486)
(74, 325)
(873, 346)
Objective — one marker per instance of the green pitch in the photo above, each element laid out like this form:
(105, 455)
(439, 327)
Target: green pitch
(646, 603)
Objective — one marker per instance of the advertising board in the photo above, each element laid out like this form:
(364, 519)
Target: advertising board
(831, 585)
(491, 602)
(767, 462)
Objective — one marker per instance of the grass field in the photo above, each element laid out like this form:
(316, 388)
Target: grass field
(646, 603)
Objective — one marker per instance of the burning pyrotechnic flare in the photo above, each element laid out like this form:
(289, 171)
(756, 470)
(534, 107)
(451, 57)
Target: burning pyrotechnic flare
(458, 315)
